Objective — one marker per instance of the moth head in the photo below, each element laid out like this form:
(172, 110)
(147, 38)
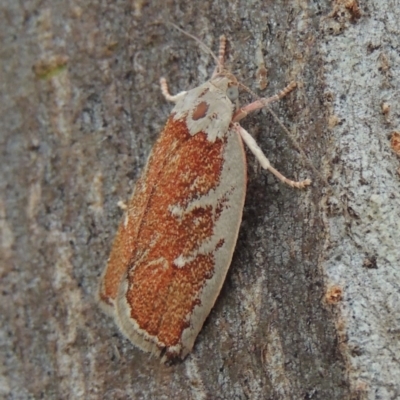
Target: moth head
(232, 87)
(227, 83)
(232, 92)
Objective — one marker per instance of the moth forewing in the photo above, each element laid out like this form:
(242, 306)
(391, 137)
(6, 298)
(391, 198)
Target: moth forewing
(179, 232)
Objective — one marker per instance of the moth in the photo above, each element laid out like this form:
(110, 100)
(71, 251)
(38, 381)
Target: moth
(175, 242)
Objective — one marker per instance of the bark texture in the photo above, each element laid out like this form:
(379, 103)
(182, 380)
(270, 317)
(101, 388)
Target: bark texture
(310, 308)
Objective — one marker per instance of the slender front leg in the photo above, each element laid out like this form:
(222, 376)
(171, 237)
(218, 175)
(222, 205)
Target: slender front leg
(261, 103)
(167, 95)
(255, 149)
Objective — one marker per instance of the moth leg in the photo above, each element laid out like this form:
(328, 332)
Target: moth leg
(122, 205)
(164, 90)
(221, 56)
(261, 103)
(263, 160)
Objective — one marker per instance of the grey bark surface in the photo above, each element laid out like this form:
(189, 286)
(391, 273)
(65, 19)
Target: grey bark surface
(310, 307)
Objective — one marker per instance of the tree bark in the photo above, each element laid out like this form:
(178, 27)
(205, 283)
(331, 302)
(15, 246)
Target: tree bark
(309, 309)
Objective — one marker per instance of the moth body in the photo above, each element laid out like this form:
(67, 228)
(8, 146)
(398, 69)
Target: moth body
(175, 243)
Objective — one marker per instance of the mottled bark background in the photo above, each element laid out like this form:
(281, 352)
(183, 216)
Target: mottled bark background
(311, 305)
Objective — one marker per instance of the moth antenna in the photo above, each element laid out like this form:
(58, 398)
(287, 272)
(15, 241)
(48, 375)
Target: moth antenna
(288, 133)
(202, 45)
(298, 148)
(248, 90)
(309, 163)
